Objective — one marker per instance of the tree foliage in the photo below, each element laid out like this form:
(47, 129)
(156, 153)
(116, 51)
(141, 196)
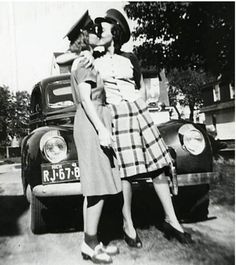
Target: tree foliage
(14, 114)
(5, 113)
(20, 116)
(185, 88)
(199, 35)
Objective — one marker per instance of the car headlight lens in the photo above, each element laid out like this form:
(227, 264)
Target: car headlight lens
(193, 139)
(53, 146)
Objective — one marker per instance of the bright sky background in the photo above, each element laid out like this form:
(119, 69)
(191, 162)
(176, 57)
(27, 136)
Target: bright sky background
(31, 31)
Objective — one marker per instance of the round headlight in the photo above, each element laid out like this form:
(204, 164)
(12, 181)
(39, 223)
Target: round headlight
(193, 139)
(53, 147)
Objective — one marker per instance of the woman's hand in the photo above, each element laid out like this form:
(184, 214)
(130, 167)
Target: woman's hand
(86, 59)
(105, 137)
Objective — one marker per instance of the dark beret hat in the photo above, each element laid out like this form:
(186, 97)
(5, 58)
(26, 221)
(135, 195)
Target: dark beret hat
(83, 23)
(113, 15)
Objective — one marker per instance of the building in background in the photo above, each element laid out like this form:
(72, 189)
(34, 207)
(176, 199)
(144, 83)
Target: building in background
(219, 109)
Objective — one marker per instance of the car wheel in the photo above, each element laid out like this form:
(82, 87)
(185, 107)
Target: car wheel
(38, 224)
(192, 203)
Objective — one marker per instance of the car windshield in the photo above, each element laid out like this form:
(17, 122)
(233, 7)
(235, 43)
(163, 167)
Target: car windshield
(59, 95)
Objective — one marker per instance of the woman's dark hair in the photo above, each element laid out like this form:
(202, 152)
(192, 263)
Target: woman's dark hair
(81, 43)
(117, 33)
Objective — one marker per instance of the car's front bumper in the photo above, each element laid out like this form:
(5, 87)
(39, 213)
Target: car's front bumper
(74, 188)
(197, 178)
(57, 190)
(190, 179)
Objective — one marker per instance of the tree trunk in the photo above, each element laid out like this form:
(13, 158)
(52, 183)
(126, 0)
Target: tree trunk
(191, 107)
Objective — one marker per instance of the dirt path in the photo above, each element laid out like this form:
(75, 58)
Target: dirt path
(214, 238)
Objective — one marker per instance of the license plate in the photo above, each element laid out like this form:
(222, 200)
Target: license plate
(61, 172)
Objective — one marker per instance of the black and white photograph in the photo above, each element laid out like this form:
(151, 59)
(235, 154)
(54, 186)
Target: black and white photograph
(117, 132)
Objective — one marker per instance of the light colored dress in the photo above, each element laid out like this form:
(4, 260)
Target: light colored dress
(139, 145)
(98, 166)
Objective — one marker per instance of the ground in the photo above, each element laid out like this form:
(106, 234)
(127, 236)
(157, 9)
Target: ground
(214, 238)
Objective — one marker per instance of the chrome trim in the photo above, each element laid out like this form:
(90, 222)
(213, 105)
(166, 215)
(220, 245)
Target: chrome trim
(197, 178)
(60, 189)
(67, 189)
(188, 179)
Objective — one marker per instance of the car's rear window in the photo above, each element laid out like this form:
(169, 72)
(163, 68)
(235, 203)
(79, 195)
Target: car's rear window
(59, 95)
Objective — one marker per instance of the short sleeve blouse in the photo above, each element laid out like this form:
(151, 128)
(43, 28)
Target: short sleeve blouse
(117, 73)
(79, 75)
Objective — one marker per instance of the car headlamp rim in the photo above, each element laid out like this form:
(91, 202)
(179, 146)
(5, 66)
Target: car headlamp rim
(53, 147)
(192, 139)
(55, 158)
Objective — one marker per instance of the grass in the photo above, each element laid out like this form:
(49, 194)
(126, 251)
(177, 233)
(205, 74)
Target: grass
(157, 250)
(206, 250)
(223, 191)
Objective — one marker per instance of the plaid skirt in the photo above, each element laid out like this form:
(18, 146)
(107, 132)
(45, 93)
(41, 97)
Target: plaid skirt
(139, 146)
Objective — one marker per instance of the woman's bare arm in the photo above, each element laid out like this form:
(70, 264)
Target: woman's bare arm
(104, 134)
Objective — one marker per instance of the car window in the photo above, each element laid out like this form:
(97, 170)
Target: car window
(59, 95)
(36, 102)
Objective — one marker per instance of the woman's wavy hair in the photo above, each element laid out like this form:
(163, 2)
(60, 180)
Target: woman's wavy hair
(81, 43)
(117, 33)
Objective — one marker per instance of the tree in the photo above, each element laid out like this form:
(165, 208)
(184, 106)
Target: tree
(20, 116)
(14, 115)
(199, 35)
(186, 84)
(5, 101)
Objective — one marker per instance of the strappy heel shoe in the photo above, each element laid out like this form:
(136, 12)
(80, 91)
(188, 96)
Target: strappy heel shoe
(170, 233)
(97, 256)
(133, 242)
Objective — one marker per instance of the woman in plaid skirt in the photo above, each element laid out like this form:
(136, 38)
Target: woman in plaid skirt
(139, 147)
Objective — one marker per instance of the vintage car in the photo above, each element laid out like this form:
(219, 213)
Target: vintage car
(50, 168)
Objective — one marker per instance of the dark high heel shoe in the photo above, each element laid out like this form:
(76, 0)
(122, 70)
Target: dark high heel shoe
(170, 233)
(133, 242)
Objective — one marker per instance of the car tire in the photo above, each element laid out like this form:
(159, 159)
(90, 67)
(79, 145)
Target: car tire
(192, 203)
(38, 224)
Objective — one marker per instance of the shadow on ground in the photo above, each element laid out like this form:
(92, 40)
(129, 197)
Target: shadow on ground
(65, 214)
(146, 211)
(11, 209)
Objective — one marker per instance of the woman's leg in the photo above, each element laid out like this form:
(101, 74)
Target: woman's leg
(85, 212)
(90, 248)
(126, 210)
(162, 189)
(92, 214)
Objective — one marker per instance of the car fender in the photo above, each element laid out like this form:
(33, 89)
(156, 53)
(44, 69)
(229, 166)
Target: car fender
(32, 157)
(185, 161)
